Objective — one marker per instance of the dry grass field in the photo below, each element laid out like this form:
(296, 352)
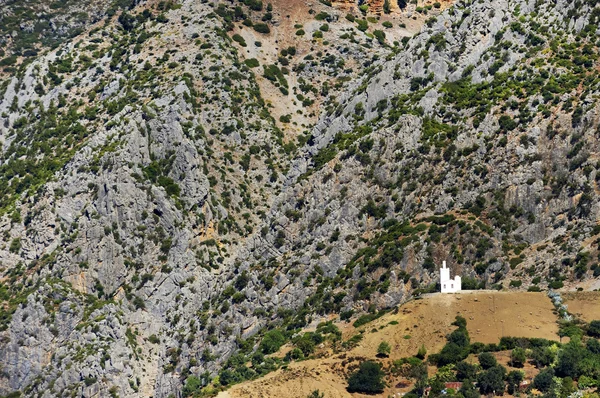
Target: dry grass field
(426, 321)
(584, 305)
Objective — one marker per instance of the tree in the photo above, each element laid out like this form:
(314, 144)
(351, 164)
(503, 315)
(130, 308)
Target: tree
(437, 386)
(569, 359)
(468, 390)
(192, 384)
(567, 387)
(492, 380)
(518, 357)
(465, 371)
(368, 378)
(543, 380)
(384, 349)
(542, 356)
(272, 341)
(127, 21)
(513, 379)
(458, 346)
(487, 360)
(451, 353)
(307, 346)
(593, 346)
(461, 322)
(460, 337)
(594, 329)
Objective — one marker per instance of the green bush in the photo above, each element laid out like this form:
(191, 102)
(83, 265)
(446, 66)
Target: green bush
(380, 36)
(384, 349)
(543, 380)
(518, 357)
(192, 385)
(272, 341)
(15, 245)
(239, 39)
(366, 318)
(516, 283)
(513, 380)
(506, 123)
(363, 25)
(261, 28)
(367, 379)
(487, 360)
(594, 329)
(492, 380)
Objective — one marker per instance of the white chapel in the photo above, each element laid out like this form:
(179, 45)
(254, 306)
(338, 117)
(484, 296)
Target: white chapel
(449, 285)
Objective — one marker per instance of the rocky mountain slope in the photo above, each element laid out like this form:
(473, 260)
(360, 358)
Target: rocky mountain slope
(28, 28)
(187, 183)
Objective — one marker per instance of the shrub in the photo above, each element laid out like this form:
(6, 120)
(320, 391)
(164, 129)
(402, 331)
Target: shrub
(367, 379)
(422, 352)
(380, 36)
(272, 341)
(507, 123)
(306, 344)
(252, 63)
(516, 283)
(192, 385)
(386, 7)
(492, 380)
(15, 245)
(364, 319)
(594, 329)
(487, 360)
(384, 349)
(572, 359)
(543, 381)
(465, 371)
(518, 357)
(363, 25)
(239, 39)
(513, 379)
(262, 28)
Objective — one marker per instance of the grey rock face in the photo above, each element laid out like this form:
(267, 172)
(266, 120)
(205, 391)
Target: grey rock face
(181, 223)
